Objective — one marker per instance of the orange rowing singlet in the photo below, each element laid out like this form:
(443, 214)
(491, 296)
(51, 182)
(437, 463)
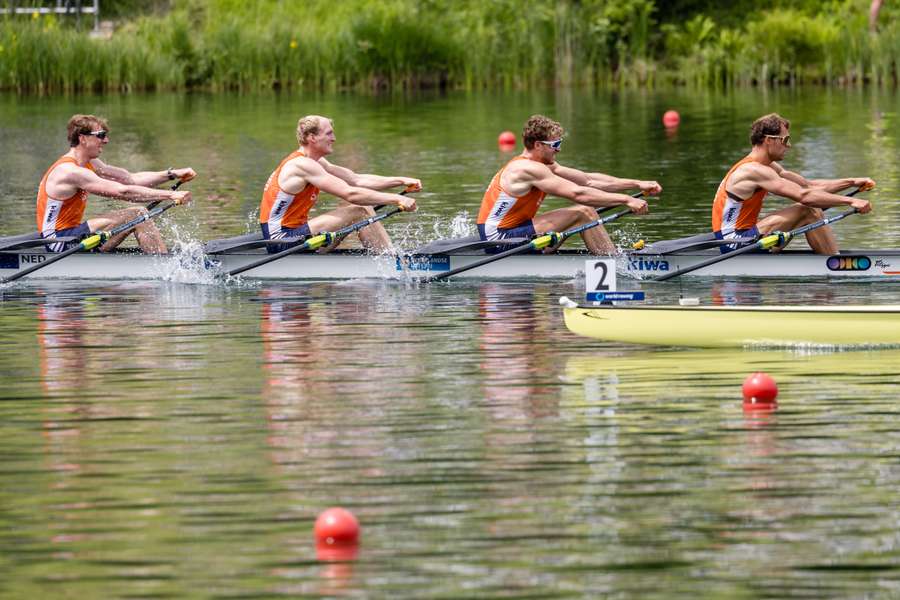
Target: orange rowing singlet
(503, 211)
(280, 209)
(731, 213)
(53, 214)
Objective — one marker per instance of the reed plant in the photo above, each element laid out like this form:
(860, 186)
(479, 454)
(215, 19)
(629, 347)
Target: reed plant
(338, 44)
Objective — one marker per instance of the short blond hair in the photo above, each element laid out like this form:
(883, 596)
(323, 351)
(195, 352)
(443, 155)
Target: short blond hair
(539, 128)
(310, 125)
(83, 124)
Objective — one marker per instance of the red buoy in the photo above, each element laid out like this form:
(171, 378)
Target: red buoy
(671, 118)
(507, 138)
(759, 388)
(336, 526)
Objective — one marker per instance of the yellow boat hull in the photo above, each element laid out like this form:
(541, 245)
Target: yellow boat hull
(739, 326)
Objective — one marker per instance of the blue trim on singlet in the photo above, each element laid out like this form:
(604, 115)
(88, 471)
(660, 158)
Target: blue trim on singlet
(737, 234)
(82, 230)
(286, 232)
(525, 230)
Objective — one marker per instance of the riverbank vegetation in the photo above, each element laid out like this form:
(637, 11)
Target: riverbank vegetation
(338, 44)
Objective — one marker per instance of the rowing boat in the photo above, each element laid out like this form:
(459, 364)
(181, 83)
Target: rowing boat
(350, 264)
(737, 326)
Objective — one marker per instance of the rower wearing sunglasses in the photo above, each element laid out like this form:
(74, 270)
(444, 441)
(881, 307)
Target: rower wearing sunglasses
(510, 204)
(62, 195)
(739, 199)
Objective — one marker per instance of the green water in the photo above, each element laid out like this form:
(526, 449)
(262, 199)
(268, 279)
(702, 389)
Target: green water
(178, 440)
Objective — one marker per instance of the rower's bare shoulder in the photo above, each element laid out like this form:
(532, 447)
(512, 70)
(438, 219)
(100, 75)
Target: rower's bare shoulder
(529, 170)
(301, 166)
(753, 172)
(69, 173)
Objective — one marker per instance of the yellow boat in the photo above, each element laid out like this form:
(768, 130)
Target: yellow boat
(738, 326)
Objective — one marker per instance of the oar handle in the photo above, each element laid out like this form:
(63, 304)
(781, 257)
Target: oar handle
(155, 203)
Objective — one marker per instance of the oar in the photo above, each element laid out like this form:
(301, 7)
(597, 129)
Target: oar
(91, 242)
(96, 239)
(538, 243)
(770, 241)
(317, 241)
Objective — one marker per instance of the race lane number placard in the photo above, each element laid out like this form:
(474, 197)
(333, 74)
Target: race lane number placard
(600, 282)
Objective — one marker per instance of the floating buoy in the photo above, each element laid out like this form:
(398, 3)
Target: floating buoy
(759, 388)
(336, 526)
(671, 118)
(507, 138)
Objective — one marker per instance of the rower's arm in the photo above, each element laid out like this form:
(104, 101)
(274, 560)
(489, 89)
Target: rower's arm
(604, 182)
(372, 182)
(142, 178)
(547, 181)
(316, 174)
(86, 179)
(837, 185)
(815, 197)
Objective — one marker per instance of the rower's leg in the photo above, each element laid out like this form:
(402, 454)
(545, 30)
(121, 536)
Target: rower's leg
(821, 240)
(373, 236)
(596, 239)
(148, 236)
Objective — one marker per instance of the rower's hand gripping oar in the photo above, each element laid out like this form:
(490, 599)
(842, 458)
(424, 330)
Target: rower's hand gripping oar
(317, 241)
(541, 242)
(774, 239)
(96, 239)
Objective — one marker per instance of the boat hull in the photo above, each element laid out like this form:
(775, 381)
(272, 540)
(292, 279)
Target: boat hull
(348, 264)
(736, 326)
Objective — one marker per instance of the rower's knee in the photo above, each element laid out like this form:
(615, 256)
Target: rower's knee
(134, 212)
(586, 214)
(361, 212)
(813, 214)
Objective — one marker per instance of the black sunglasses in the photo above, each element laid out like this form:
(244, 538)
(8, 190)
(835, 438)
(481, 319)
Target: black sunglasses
(100, 134)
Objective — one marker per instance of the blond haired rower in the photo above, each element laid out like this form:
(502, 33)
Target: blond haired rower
(510, 204)
(739, 198)
(293, 189)
(62, 195)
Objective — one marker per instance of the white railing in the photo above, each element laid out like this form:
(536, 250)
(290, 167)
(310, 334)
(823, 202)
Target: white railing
(63, 7)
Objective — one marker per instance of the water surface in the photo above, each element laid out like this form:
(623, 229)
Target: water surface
(169, 439)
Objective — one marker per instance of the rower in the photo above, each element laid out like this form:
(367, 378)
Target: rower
(62, 195)
(510, 204)
(293, 188)
(739, 198)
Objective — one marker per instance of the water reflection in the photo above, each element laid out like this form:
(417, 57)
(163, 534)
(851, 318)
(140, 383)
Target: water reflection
(468, 430)
(513, 344)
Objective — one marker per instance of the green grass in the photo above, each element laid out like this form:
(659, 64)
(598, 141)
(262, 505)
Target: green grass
(368, 44)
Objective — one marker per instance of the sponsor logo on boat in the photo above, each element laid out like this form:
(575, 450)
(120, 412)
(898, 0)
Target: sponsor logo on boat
(643, 264)
(613, 296)
(434, 262)
(848, 263)
(9, 261)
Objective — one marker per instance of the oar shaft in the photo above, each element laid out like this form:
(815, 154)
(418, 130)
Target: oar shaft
(49, 261)
(315, 241)
(570, 232)
(96, 239)
(765, 243)
(538, 243)
(91, 241)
